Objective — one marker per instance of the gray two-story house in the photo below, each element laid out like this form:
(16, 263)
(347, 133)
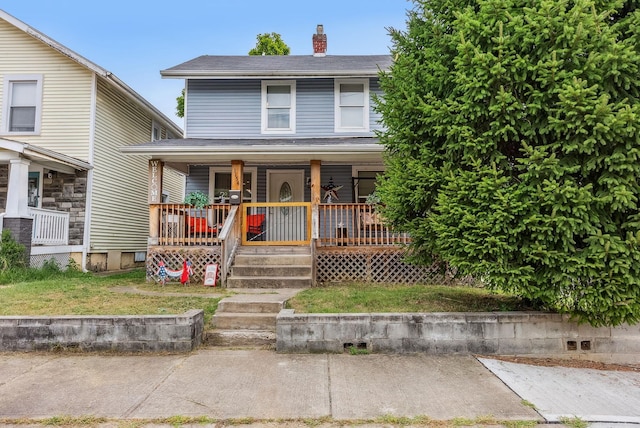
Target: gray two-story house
(286, 149)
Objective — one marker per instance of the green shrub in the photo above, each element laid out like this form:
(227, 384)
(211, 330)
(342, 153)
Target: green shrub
(12, 254)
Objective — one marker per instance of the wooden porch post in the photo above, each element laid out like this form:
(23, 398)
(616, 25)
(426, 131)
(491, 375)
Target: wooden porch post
(155, 197)
(237, 178)
(315, 182)
(237, 175)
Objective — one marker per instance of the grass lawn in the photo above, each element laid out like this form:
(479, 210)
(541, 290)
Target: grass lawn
(358, 297)
(75, 293)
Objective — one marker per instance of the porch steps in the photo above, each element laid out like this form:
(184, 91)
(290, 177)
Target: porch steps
(248, 319)
(271, 267)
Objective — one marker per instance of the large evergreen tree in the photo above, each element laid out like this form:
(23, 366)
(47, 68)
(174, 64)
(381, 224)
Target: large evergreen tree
(513, 147)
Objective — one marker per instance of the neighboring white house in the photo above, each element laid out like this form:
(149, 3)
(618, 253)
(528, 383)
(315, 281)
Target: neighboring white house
(65, 188)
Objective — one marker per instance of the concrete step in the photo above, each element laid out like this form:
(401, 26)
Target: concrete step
(244, 321)
(272, 259)
(240, 338)
(269, 282)
(269, 270)
(234, 306)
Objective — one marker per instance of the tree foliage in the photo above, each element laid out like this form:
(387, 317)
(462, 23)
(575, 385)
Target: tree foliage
(180, 104)
(513, 147)
(270, 44)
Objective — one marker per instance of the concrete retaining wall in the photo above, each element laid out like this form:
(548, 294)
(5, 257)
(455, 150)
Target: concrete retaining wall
(115, 333)
(495, 333)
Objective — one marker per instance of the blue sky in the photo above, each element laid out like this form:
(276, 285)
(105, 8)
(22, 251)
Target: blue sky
(135, 39)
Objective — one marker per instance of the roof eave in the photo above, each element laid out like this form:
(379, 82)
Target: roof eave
(243, 74)
(329, 148)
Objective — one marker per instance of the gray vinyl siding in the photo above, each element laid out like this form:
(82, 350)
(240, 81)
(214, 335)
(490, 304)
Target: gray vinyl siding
(314, 108)
(198, 179)
(223, 109)
(374, 117)
(232, 109)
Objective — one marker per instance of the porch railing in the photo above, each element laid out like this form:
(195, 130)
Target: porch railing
(49, 227)
(276, 223)
(355, 225)
(180, 224)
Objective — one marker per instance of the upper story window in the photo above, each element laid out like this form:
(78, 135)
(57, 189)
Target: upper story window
(352, 105)
(156, 131)
(22, 103)
(278, 107)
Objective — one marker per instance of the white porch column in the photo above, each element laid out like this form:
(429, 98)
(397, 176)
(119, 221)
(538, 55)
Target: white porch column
(17, 192)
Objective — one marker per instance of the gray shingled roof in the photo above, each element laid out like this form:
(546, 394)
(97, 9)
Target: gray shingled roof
(280, 65)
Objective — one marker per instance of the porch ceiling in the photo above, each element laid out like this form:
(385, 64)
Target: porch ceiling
(191, 150)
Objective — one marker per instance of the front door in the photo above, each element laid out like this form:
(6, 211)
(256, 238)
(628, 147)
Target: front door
(285, 223)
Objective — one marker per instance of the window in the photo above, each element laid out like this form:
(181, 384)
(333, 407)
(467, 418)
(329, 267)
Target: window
(365, 180)
(352, 105)
(220, 183)
(156, 131)
(278, 107)
(23, 104)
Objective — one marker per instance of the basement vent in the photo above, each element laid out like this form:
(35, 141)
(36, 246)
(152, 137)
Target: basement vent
(140, 256)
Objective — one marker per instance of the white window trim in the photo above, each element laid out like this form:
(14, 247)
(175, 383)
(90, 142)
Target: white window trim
(8, 80)
(155, 125)
(292, 115)
(355, 170)
(336, 98)
(221, 169)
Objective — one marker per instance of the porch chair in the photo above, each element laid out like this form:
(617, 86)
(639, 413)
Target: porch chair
(255, 227)
(199, 226)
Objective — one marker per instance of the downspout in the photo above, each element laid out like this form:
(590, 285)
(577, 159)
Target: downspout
(86, 244)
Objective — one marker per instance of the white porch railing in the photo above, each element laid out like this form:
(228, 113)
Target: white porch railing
(49, 227)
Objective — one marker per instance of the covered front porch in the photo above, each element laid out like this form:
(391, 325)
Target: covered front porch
(39, 202)
(308, 193)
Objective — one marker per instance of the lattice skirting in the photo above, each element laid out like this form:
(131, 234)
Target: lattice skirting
(61, 259)
(376, 264)
(173, 258)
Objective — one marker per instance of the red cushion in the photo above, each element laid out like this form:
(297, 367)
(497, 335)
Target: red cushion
(199, 225)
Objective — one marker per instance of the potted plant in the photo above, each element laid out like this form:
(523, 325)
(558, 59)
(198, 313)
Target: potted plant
(371, 218)
(197, 199)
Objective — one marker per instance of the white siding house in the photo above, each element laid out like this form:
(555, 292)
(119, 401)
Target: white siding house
(63, 121)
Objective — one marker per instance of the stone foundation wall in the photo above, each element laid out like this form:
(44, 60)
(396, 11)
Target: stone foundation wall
(181, 333)
(499, 333)
(67, 192)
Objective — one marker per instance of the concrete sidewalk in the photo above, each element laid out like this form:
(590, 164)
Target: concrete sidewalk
(225, 384)
(266, 386)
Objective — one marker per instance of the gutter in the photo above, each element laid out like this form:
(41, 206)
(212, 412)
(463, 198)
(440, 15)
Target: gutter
(283, 74)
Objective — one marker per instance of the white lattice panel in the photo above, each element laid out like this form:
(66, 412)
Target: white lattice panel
(174, 258)
(376, 265)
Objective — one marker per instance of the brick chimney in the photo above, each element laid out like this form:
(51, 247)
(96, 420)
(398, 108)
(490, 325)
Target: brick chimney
(319, 42)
